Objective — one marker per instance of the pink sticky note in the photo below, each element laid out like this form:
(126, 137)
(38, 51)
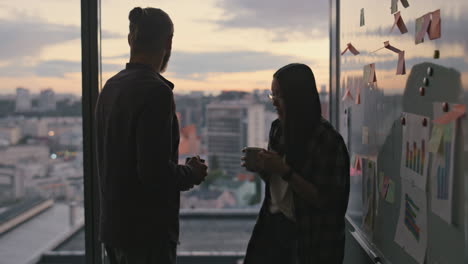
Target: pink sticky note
(344, 51)
(399, 23)
(385, 185)
(422, 26)
(434, 29)
(390, 47)
(401, 68)
(347, 95)
(456, 112)
(372, 75)
(357, 165)
(358, 96)
(351, 48)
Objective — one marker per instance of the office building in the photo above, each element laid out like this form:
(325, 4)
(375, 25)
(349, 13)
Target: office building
(231, 126)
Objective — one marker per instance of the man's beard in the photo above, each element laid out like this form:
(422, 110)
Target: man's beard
(166, 58)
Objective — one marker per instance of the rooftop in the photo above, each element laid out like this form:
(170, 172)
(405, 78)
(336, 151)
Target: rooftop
(28, 241)
(207, 236)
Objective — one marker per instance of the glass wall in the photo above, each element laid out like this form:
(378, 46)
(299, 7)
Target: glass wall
(41, 150)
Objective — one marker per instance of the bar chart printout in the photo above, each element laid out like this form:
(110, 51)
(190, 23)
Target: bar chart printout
(416, 156)
(411, 231)
(442, 166)
(411, 213)
(414, 150)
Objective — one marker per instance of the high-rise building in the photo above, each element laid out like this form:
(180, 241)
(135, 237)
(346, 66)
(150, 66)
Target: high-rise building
(23, 100)
(11, 182)
(231, 126)
(323, 93)
(47, 101)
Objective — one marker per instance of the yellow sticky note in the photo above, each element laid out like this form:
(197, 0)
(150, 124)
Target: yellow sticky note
(390, 192)
(365, 135)
(436, 139)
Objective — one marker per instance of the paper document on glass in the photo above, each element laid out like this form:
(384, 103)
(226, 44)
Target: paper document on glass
(390, 195)
(401, 67)
(399, 23)
(411, 232)
(362, 22)
(394, 6)
(456, 111)
(368, 194)
(351, 48)
(422, 27)
(369, 75)
(405, 3)
(414, 151)
(442, 171)
(435, 27)
(390, 47)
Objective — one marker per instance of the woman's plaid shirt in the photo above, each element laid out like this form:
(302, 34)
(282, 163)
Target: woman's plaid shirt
(321, 230)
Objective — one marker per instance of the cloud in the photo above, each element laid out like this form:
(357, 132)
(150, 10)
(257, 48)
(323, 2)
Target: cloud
(28, 36)
(49, 68)
(188, 65)
(310, 18)
(184, 65)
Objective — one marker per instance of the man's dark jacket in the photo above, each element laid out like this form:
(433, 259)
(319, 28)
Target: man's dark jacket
(137, 145)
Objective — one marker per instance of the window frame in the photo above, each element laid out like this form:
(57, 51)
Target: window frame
(91, 79)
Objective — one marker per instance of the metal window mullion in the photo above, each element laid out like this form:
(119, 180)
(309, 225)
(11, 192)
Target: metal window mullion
(90, 52)
(334, 65)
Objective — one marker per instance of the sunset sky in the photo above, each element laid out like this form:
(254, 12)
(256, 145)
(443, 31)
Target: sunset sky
(218, 44)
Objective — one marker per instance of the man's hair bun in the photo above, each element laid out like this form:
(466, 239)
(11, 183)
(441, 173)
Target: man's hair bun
(135, 15)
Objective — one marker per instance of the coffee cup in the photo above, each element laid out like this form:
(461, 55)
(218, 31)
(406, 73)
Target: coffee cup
(251, 158)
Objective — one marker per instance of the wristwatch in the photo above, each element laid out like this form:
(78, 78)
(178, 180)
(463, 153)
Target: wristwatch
(288, 175)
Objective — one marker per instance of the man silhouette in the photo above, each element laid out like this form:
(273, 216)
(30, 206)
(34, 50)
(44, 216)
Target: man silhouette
(137, 144)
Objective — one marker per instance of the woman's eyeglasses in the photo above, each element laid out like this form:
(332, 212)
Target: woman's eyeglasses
(273, 97)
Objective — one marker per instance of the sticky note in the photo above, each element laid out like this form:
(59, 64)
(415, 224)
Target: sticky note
(365, 135)
(372, 74)
(357, 166)
(390, 197)
(358, 96)
(362, 22)
(405, 3)
(351, 48)
(384, 186)
(347, 95)
(456, 112)
(381, 180)
(398, 21)
(366, 72)
(369, 75)
(434, 29)
(390, 47)
(422, 26)
(436, 139)
(394, 6)
(401, 67)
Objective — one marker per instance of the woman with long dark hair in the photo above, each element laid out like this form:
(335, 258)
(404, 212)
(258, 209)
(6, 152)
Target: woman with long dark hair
(306, 171)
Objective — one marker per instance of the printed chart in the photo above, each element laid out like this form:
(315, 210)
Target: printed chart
(416, 156)
(414, 151)
(442, 148)
(411, 213)
(411, 232)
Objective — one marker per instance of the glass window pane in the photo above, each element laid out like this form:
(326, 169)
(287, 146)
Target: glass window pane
(41, 152)
(224, 54)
